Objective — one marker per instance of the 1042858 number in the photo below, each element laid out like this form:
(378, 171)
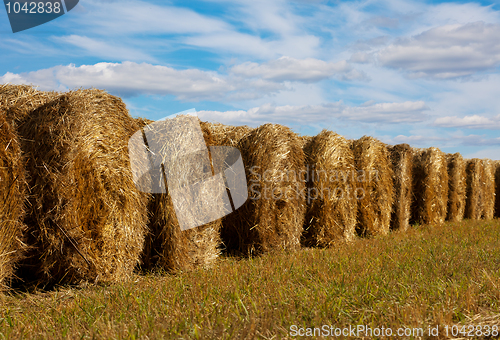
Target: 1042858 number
(33, 7)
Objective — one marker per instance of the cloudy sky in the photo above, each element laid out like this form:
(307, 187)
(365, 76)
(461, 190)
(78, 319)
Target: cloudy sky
(423, 73)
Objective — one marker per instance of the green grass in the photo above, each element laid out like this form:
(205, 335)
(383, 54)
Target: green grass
(429, 276)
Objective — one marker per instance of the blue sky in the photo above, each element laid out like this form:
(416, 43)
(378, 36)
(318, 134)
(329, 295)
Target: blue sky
(423, 73)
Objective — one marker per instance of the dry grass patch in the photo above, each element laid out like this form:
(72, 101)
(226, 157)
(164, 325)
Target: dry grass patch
(428, 276)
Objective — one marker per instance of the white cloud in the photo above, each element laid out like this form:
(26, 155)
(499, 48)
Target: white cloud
(107, 50)
(477, 140)
(387, 113)
(265, 29)
(248, 81)
(139, 17)
(407, 112)
(417, 140)
(448, 51)
(469, 122)
(442, 140)
(491, 153)
(255, 46)
(129, 78)
(291, 69)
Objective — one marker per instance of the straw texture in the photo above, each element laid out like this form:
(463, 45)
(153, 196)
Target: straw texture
(402, 164)
(332, 210)
(12, 200)
(474, 202)
(457, 187)
(224, 135)
(86, 219)
(497, 189)
(430, 186)
(488, 189)
(375, 188)
(168, 247)
(21, 100)
(273, 216)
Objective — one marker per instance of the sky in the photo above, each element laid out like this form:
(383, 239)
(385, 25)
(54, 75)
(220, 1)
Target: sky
(424, 73)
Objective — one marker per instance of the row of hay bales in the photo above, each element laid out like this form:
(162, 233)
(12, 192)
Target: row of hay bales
(70, 211)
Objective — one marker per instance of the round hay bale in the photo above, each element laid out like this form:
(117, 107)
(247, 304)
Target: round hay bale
(331, 208)
(86, 219)
(402, 163)
(474, 202)
(430, 186)
(497, 189)
(457, 185)
(12, 199)
(21, 100)
(224, 135)
(488, 183)
(167, 246)
(375, 189)
(273, 216)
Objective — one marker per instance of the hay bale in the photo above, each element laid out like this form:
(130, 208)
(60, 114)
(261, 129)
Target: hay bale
(457, 185)
(224, 135)
(402, 163)
(375, 190)
(86, 219)
(12, 199)
(331, 208)
(497, 189)
(430, 186)
(21, 100)
(167, 246)
(488, 183)
(474, 202)
(273, 216)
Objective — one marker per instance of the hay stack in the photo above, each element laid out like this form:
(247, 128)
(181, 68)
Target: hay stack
(12, 199)
(402, 164)
(273, 216)
(331, 213)
(474, 202)
(488, 183)
(374, 190)
(457, 185)
(430, 186)
(167, 246)
(87, 219)
(224, 135)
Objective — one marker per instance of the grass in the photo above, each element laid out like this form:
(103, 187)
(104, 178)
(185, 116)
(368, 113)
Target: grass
(428, 276)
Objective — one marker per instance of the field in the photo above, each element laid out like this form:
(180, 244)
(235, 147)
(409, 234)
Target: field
(429, 276)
